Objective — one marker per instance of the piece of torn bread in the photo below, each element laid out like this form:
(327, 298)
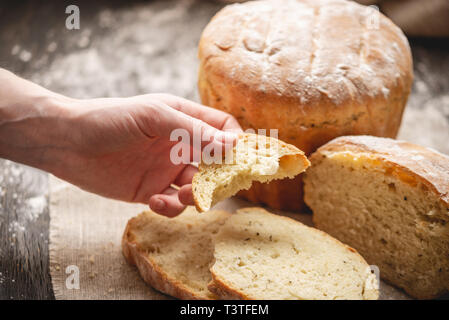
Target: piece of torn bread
(259, 255)
(174, 255)
(254, 158)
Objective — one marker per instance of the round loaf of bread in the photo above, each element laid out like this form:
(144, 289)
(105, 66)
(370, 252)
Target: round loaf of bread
(313, 69)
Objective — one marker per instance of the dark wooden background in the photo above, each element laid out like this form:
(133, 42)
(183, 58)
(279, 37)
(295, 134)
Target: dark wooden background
(29, 31)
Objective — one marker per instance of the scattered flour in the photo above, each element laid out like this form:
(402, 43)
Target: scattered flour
(428, 125)
(24, 196)
(35, 206)
(130, 57)
(15, 50)
(25, 55)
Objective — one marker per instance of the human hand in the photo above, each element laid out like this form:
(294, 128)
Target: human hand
(115, 147)
(120, 147)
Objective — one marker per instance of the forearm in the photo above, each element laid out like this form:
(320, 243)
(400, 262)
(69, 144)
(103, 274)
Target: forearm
(31, 122)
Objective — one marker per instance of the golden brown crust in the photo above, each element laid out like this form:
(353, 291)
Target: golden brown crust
(328, 75)
(283, 194)
(151, 273)
(427, 166)
(223, 291)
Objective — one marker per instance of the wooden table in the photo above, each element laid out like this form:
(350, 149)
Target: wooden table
(33, 38)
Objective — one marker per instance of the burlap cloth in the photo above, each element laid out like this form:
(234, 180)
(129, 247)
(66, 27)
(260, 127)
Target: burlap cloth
(85, 232)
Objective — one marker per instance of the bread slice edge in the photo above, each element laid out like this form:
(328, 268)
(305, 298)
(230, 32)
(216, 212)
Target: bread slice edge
(151, 273)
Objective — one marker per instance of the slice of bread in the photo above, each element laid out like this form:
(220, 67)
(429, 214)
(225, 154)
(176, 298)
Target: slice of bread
(174, 255)
(259, 255)
(254, 158)
(390, 200)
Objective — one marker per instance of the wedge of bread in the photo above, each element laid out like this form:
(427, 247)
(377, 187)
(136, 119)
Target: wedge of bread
(388, 199)
(259, 255)
(254, 158)
(174, 255)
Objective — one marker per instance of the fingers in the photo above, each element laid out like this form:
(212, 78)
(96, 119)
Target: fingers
(185, 176)
(167, 203)
(179, 119)
(216, 118)
(184, 180)
(178, 126)
(172, 202)
(185, 195)
(164, 120)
